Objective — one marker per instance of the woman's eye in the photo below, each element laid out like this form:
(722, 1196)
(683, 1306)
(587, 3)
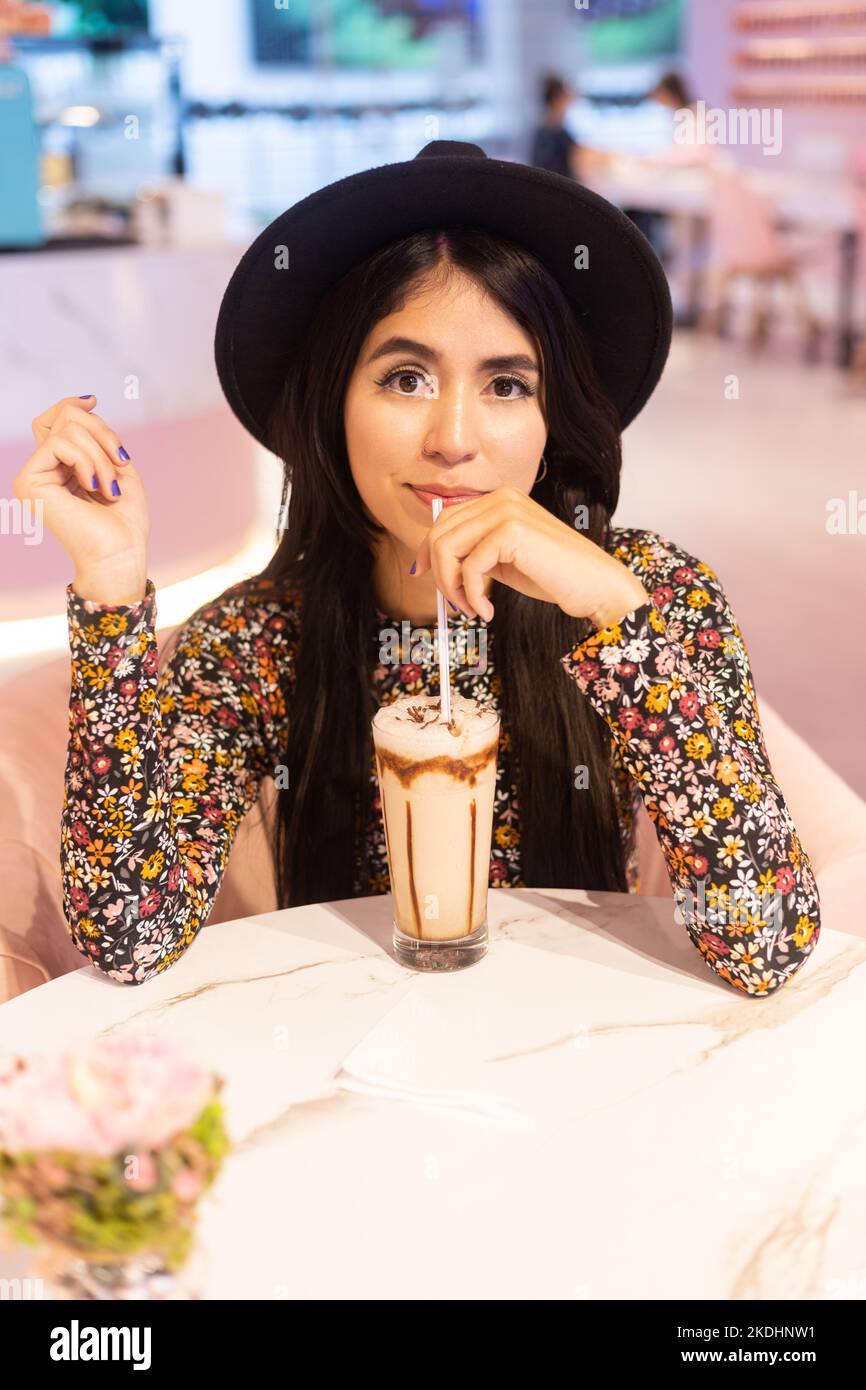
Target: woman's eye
(412, 375)
(514, 381)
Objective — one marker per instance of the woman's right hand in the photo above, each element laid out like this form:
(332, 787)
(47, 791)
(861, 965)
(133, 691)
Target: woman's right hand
(106, 535)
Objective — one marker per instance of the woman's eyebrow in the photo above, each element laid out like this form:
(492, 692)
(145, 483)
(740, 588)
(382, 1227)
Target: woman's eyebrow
(512, 361)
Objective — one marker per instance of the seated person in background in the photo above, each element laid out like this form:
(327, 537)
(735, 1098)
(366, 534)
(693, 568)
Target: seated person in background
(553, 147)
(670, 91)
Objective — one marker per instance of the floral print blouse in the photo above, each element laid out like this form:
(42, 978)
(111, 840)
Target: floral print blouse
(164, 762)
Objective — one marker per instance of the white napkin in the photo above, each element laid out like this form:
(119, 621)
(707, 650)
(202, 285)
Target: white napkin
(503, 1039)
(476, 1104)
(561, 1025)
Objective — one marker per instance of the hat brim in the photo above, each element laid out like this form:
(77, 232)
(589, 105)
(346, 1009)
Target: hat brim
(621, 298)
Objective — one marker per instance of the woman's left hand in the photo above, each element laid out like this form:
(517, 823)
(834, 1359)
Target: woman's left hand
(506, 535)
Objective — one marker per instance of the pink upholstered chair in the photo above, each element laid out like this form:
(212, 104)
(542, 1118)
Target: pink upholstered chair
(34, 944)
(746, 245)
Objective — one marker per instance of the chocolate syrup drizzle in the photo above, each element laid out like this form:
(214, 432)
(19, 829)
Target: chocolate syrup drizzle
(465, 769)
(419, 715)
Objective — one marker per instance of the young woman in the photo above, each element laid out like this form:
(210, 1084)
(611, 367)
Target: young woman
(451, 325)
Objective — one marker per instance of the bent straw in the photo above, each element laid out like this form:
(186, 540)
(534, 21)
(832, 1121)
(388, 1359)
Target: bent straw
(442, 634)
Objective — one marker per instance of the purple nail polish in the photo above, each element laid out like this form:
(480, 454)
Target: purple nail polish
(95, 481)
(454, 606)
(86, 396)
(414, 566)
(122, 452)
(115, 487)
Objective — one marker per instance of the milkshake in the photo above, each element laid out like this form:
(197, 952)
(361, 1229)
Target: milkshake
(437, 783)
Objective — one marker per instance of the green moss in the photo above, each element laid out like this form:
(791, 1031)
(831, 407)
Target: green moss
(102, 1212)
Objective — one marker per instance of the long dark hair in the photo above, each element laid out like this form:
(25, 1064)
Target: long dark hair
(570, 835)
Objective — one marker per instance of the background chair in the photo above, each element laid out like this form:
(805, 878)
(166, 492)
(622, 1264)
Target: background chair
(34, 942)
(746, 246)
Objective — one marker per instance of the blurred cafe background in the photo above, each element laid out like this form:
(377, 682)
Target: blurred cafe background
(144, 143)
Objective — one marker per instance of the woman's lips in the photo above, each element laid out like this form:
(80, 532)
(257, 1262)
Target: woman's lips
(427, 497)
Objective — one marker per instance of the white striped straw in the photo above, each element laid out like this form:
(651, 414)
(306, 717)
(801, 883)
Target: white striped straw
(442, 633)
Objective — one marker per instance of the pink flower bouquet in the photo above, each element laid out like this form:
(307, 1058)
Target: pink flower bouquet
(105, 1149)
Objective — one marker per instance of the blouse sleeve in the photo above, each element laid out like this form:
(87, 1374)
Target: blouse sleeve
(674, 683)
(161, 768)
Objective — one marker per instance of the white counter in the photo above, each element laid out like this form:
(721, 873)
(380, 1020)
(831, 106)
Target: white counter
(135, 325)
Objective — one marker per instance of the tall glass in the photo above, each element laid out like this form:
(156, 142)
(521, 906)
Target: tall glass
(437, 784)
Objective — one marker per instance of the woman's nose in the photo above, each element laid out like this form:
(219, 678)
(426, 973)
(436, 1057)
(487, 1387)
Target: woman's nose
(451, 430)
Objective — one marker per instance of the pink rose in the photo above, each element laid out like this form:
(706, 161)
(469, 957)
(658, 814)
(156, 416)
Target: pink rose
(186, 1185)
(109, 1096)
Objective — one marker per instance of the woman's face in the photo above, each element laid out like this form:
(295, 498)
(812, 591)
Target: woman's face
(435, 412)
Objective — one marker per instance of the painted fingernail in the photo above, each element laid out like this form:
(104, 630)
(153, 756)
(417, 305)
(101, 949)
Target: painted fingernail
(414, 566)
(86, 396)
(115, 487)
(94, 481)
(454, 606)
(122, 452)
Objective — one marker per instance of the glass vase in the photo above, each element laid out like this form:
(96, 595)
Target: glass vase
(68, 1273)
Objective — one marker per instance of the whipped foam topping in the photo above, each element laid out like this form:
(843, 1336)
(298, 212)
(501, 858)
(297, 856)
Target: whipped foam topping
(417, 720)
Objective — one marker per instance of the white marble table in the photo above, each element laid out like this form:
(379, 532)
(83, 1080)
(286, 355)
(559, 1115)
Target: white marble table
(586, 1113)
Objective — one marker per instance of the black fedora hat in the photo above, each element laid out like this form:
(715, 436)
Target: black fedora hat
(621, 298)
